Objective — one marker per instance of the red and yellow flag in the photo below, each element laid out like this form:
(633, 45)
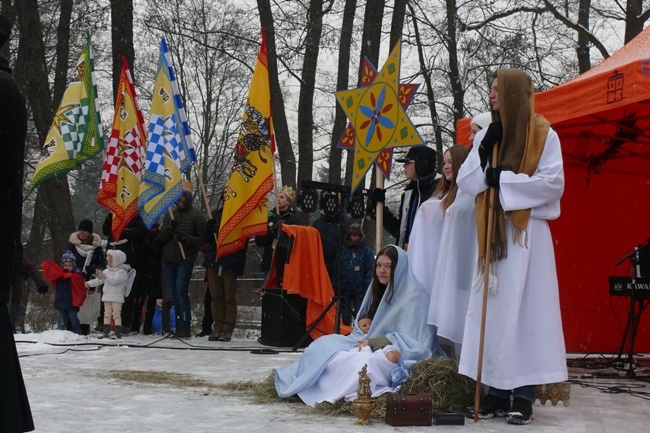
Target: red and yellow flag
(245, 210)
(123, 165)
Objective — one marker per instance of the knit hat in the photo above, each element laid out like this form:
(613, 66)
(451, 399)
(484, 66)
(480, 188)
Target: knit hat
(289, 192)
(424, 158)
(86, 225)
(69, 257)
(5, 30)
(483, 120)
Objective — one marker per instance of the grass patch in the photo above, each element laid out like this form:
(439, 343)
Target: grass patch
(450, 391)
(160, 378)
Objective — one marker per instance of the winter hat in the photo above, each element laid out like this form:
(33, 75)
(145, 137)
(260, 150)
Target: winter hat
(119, 258)
(5, 30)
(483, 120)
(424, 158)
(289, 192)
(86, 225)
(354, 229)
(68, 256)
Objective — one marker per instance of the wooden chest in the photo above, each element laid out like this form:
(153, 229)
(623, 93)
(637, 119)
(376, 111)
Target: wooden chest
(408, 409)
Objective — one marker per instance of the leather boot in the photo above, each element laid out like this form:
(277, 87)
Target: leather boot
(106, 330)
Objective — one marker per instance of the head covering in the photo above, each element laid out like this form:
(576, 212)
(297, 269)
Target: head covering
(424, 158)
(68, 256)
(483, 119)
(119, 257)
(86, 225)
(289, 192)
(519, 151)
(354, 229)
(5, 30)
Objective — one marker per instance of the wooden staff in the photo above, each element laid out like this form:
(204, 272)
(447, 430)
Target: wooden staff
(205, 196)
(379, 211)
(275, 188)
(180, 245)
(486, 284)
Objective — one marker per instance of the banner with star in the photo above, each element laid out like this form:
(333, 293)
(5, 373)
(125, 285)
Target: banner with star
(384, 159)
(378, 117)
(76, 134)
(124, 162)
(169, 148)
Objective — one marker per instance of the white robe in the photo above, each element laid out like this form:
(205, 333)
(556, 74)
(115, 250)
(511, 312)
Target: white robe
(455, 269)
(424, 241)
(524, 342)
(340, 379)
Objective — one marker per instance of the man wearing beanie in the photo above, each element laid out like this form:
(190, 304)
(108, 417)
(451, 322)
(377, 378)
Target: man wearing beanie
(420, 168)
(287, 215)
(187, 229)
(15, 414)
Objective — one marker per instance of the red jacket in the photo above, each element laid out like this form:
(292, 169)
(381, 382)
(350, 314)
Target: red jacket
(53, 272)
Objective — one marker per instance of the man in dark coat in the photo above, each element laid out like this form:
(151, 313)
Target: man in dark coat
(15, 414)
(420, 169)
(222, 276)
(181, 237)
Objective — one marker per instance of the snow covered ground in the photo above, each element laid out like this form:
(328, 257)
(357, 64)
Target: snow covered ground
(71, 389)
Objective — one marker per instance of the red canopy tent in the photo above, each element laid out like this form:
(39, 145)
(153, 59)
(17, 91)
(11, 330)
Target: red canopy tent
(603, 120)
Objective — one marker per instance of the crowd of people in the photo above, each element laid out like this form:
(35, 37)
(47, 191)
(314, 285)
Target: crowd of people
(480, 227)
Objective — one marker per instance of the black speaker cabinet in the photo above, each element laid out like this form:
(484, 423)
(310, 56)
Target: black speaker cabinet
(283, 319)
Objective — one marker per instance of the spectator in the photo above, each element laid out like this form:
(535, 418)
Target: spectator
(357, 266)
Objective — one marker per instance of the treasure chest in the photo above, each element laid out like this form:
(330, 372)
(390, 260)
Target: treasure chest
(408, 409)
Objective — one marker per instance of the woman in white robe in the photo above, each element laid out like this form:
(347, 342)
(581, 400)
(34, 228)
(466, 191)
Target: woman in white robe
(524, 341)
(455, 268)
(328, 369)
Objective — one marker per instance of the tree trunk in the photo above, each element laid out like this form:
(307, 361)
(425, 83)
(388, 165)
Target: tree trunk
(306, 101)
(62, 52)
(633, 19)
(54, 204)
(282, 138)
(121, 38)
(582, 50)
(343, 76)
(457, 90)
(428, 85)
(397, 23)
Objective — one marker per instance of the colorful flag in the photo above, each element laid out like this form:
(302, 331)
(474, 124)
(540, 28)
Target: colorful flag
(76, 133)
(169, 146)
(120, 184)
(245, 210)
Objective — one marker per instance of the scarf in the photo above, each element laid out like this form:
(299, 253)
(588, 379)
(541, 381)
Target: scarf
(521, 147)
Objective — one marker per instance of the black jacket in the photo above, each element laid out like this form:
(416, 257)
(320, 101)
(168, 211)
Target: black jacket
(232, 263)
(287, 217)
(416, 192)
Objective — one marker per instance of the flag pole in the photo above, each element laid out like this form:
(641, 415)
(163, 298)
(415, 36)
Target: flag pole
(275, 188)
(486, 284)
(379, 212)
(205, 196)
(180, 245)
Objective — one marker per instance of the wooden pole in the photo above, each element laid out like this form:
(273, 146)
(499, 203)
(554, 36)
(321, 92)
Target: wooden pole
(180, 245)
(486, 284)
(379, 211)
(205, 196)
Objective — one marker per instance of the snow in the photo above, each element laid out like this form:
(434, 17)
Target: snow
(71, 389)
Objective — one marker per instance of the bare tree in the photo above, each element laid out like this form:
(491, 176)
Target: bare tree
(283, 140)
(53, 202)
(121, 38)
(343, 76)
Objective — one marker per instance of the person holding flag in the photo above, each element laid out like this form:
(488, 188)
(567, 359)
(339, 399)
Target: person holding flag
(119, 189)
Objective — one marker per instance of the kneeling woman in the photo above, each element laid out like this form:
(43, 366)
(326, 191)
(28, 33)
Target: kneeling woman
(398, 306)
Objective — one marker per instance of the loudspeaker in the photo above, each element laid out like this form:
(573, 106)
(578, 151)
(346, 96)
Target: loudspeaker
(283, 319)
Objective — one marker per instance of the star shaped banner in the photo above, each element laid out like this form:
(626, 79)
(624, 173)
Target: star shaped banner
(384, 159)
(377, 117)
